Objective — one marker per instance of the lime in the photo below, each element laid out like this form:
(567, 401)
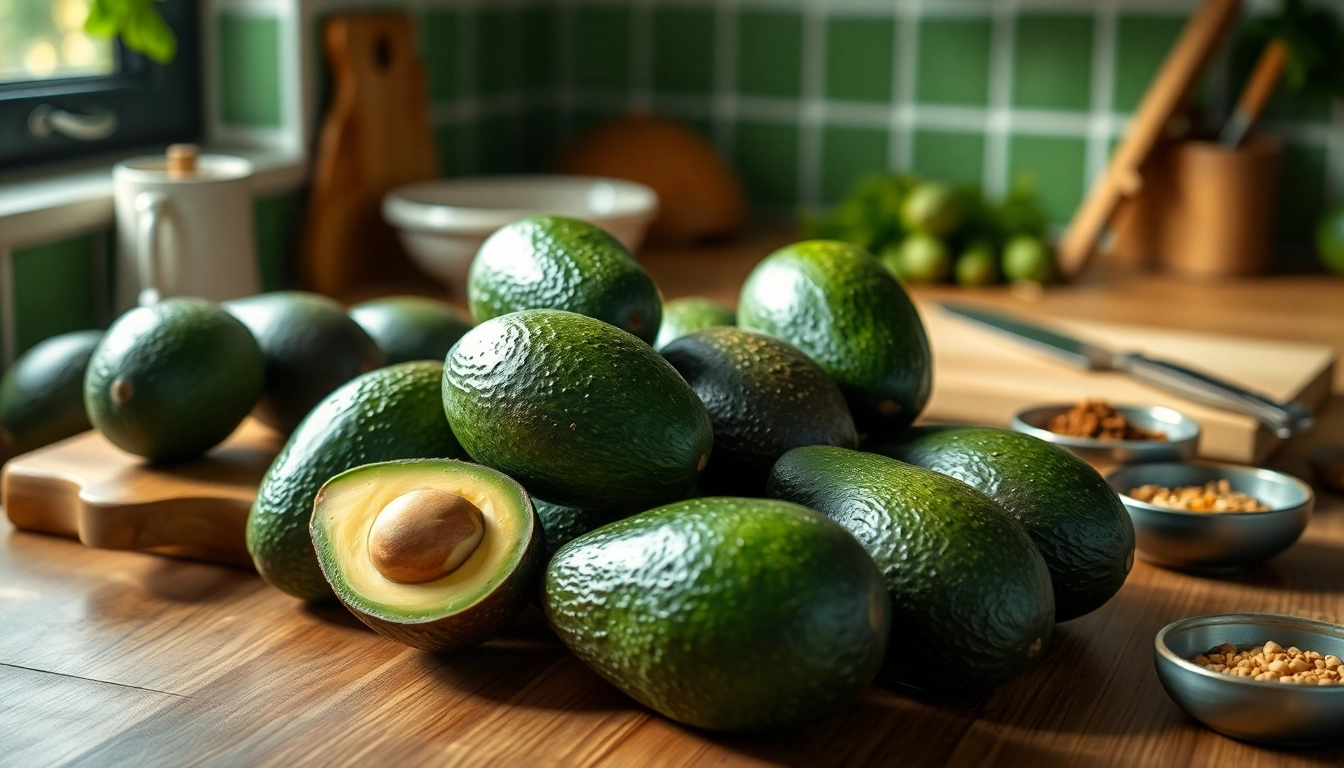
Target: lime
(1027, 259)
(931, 208)
(1330, 238)
(977, 265)
(919, 258)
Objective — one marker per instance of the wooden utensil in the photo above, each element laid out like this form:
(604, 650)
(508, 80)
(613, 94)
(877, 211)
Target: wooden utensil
(1123, 177)
(1264, 79)
(376, 137)
(88, 489)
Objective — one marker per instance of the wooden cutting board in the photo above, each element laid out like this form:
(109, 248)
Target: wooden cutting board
(88, 489)
(983, 377)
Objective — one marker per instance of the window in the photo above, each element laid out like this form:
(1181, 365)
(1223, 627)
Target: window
(64, 93)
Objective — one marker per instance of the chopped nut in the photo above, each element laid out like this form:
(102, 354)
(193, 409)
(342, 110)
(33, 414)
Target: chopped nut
(1214, 496)
(1270, 662)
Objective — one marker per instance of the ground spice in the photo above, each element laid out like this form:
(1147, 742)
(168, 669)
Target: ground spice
(1213, 496)
(1097, 420)
(1271, 662)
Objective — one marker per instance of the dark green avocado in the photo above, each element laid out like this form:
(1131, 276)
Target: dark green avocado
(172, 380)
(561, 524)
(554, 262)
(764, 397)
(971, 605)
(841, 307)
(409, 328)
(577, 410)
(722, 613)
(388, 414)
(42, 393)
(1073, 516)
(311, 348)
(691, 313)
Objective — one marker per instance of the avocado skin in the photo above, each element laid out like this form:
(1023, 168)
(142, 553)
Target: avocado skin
(578, 411)
(555, 262)
(561, 524)
(764, 397)
(688, 314)
(42, 393)
(409, 328)
(311, 347)
(391, 413)
(193, 371)
(1075, 519)
(722, 613)
(471, 626)
(970, 595)
(841, 307)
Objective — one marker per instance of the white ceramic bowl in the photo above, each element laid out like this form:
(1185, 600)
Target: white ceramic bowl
(442, 223)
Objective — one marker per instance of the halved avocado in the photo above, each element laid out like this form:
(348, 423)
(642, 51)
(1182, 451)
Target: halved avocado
(438, 554)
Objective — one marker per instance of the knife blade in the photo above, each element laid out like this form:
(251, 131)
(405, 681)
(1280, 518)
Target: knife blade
(1283, 419)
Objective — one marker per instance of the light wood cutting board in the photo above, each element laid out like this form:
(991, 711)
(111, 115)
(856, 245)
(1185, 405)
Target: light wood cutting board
(984, 377)
(88, 489)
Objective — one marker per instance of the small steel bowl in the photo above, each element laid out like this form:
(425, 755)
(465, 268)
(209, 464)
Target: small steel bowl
(1214, 541)
(1270, 713)
(1182, 435)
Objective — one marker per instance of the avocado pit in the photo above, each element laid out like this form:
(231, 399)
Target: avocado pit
(424, 535)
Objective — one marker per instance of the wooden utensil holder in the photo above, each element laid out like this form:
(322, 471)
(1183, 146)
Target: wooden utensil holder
(1204, 209)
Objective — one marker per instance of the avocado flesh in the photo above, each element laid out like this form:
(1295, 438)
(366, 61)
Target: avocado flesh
(578, 411)
(409, 328)
(689, 314)
(555, 262)
(42, 393)
(391, 413)
(841, 307)
(1074, 517)
(764, 397)
(970, 595)
(723, 613)
(465, 607)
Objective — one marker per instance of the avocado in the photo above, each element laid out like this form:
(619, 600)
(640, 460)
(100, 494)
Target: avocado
(409, 328)
(42, 393)
(763, 397)
(1075, 519)
(723, 613)
(554, 262)
(437, 554)
(172, 380)
(577, 410)
(691, 313)
(562, 524)
(311, 347)
(970, 595)
(388, 414)
(842, 308)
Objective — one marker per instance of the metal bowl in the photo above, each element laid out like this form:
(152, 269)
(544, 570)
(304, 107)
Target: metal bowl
(1182, 435)
(1214, 541)
(1262, 712)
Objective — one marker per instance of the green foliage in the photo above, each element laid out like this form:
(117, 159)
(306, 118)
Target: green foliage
(138, 23)
(1315, 43)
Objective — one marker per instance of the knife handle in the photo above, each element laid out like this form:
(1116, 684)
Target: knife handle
(1283, 419)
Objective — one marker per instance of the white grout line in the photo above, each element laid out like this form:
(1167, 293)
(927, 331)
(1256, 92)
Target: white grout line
(725, 76)
(999, 117)
(813, 113)
(8, 342)
(1102, 91)
(906, 81)
(1334, 161)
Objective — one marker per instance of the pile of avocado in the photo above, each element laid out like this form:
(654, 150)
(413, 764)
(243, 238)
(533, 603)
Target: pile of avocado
(729, 516)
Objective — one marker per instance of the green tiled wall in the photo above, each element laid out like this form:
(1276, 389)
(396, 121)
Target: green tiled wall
(248, 52)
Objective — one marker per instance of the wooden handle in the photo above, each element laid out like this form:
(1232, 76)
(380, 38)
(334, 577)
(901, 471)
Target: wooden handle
(1264, 79)
(1178, 74)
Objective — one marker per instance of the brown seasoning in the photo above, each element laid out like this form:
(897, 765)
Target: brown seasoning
(1097, 420)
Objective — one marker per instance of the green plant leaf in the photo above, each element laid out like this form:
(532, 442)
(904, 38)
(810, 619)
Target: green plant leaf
(137, 22)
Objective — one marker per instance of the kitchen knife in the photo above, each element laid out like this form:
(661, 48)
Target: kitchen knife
(1283, 419)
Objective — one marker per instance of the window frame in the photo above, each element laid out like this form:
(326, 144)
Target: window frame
(154, 104)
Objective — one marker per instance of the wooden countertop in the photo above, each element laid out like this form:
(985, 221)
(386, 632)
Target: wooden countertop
(120, 658)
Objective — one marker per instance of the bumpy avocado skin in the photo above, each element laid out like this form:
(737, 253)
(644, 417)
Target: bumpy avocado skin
(311, 347)
(688, 314)
(1075, 519)
(764, 397)
(578, 411)
(42, 393)
(387, 414)
(171, 381)
(841, 307)
(478, 622)
(723, 613)
(410, 328)
(555, 262)
(971, 604)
